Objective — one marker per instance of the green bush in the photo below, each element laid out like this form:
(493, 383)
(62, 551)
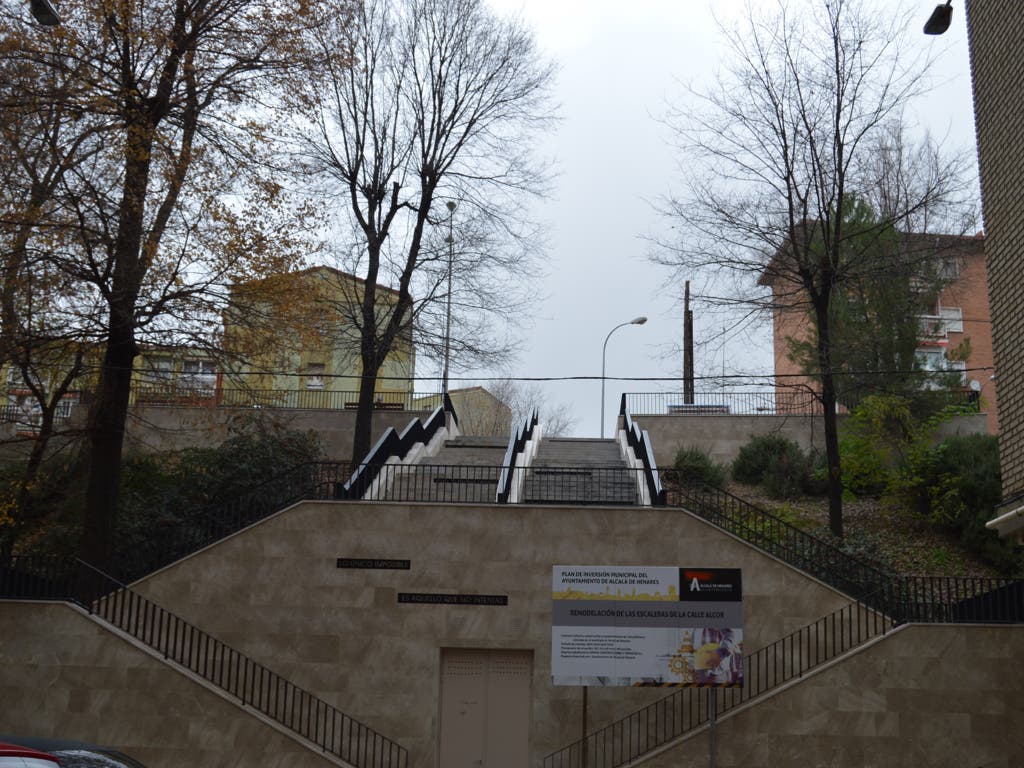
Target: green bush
(775, 462)
(959, 487)
(756, 457)
(877, 440)
(789, 476)
(692, 466)
(160, 492)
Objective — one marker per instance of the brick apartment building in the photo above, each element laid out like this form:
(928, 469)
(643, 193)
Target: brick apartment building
(959, 320)
(997, 69)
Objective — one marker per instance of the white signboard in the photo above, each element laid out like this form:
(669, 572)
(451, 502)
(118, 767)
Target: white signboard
(646, 625)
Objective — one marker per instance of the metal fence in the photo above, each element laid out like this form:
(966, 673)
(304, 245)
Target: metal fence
(477, 484)
(30, 418)
(802, 550)
(242, 678)
(181, 394)
(181, 535)
(760, 403)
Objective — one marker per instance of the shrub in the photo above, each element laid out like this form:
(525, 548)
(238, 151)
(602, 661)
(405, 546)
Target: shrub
(959, 488)
(692, 466)
(789, 476)
(776, 462)
(161, 492)
(877, 439)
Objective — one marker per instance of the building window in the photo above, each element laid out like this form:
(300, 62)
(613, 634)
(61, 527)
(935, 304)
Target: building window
(199, 375)
(952, 319)
(933, 360)
(315, 375)
(951, 268)
(159, 370)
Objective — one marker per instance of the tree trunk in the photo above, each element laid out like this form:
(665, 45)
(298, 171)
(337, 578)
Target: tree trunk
(108, 413)
(107, 417)
(828, 403)
(364, 414)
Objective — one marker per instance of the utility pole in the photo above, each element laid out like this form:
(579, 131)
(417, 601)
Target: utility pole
(688, 393)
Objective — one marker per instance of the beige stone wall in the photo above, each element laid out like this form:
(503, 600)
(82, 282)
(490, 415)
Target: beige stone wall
(923, 696)
(152, 428)
(63, 675)
(275, 593)
(997, 69)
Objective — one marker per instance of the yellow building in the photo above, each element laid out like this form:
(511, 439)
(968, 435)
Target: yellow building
(293, 340)
(290, 341)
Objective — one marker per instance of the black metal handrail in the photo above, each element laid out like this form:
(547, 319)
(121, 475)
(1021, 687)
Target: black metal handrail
(242, 678)
(517, 442)
(930, 600)
(771, 534)
(394, 445)
(640, 442)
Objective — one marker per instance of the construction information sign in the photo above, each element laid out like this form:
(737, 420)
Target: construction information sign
(646, 625)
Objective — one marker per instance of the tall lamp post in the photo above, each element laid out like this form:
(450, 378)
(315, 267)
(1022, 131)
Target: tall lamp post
(604, 350)
(448, 309)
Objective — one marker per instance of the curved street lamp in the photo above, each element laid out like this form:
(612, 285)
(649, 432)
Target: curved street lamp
(940, 19)
(635, 321)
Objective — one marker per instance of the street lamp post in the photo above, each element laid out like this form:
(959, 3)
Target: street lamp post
(448, 309)
(604, 350)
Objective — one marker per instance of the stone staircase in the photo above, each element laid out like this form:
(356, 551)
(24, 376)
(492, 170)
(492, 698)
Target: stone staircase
(465, 470)
(580, 471)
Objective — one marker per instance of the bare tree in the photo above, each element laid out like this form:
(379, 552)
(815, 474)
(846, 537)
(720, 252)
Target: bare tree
(520, 399)
(440, 108)
(785, 143)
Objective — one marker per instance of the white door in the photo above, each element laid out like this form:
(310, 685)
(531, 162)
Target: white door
(485, 708)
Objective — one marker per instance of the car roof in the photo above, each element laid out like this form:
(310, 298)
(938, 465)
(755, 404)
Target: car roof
(73, 749)
(17, 750)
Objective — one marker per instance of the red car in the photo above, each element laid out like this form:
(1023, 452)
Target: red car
(13, 756)
(32, 752)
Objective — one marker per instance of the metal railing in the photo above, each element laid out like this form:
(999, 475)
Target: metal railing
(640, 441)
(931, 600)
(802, 550)
(479, 484)
(251, 683)
(182, 393)
(179, 537)
(760, 403)
(31, 418)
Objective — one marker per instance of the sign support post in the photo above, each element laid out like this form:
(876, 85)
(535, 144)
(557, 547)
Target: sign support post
(713, 714)
(583, 736)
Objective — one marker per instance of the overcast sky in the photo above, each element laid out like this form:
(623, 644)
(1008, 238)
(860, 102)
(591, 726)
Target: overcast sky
(620, 66)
